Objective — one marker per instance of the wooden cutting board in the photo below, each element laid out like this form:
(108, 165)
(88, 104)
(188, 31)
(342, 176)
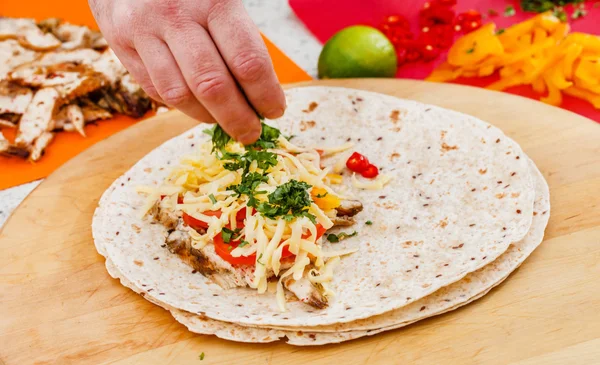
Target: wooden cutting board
(58, 305)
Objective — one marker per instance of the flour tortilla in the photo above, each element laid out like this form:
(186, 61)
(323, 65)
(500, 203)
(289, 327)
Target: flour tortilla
(467, 290)
(461, 193)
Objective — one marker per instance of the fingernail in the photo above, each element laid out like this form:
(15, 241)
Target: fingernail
(250, 136)
(274, 113)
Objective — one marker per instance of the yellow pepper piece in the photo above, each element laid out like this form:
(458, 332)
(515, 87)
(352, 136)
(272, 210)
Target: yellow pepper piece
(324, 200)
(539, 85)
(588, 41)
(475, 47)
(588, 70)
(530, 51)
(554, 96)
(486, 70)
(335, 178)
(561, 31)
(525, 40)
(507, 82)
(539, 35)
(444, 72)
(572, 53)
(594, 99)
(587, 85)
(557, 78)
(548, 21)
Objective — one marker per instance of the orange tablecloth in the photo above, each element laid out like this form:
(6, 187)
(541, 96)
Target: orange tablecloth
(15, 171)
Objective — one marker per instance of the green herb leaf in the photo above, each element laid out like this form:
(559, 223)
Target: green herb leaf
(289, 200)
(220, 139)
(322, 195)
(212, 199)
(201, 357)
(258, 259)
(230, 235)
(500, 31)
(509, 11)
(243, 243)
(268, 137)
(368, 223)
(492, 12)
(289, 138)
(560, 14)
(470, 50)
(579, 13)
(337, 238)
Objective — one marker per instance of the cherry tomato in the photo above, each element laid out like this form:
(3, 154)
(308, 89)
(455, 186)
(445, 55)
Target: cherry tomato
(436, 15)
(197, 223)
(370, 172)
(439, 36)
(240, 217)
(448, 3)
(397, 21)
(357, 162)
(469, 20)
(429, 53)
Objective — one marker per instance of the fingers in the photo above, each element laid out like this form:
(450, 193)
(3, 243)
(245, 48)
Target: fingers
(210, 81)
(246, 56)
(133, 63)
(166, 80)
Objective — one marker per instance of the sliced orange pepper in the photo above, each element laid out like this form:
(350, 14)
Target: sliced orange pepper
(475, 47)
(594, 99)
(443, 73)
(486, 70)
(507, 82)
(557, 78)
(554, 96)
(324, 200)
(539, 85)
(572, 53)
(539, 35)
(561, 31)
(588, 85)
(588, 41)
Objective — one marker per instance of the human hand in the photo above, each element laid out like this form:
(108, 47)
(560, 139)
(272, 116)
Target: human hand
(192, 54)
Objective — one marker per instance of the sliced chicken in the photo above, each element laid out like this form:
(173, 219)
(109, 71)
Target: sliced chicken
(13, 98)
(12, 54)
(28, 34)
(79, 56)
(9, 150)
(40, 145)
(109, 65)
(306, 291)
(75, 116)
(37, 118)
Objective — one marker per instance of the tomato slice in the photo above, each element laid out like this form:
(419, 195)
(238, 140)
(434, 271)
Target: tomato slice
(370, 172)
(197, 223)
(224, 251)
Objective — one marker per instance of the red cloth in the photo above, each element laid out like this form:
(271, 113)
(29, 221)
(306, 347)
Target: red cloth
(325, 17)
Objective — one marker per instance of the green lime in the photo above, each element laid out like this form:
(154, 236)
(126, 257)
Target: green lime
(357, 51)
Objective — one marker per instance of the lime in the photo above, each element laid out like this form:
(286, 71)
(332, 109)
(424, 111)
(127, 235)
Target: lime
(357, 51)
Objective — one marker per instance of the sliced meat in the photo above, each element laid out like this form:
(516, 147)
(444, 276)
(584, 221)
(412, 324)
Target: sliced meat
(92, 113)
(343, 221)
(165, 217)
(6, 120)
(76, 118)
(79, 56)
(109, 65)
(12, 54)
(40, 145)
(73, 36)
(9, 150)
(14, 99)
(28, 34)
(349, 208)
(306, 291)
(37, 118)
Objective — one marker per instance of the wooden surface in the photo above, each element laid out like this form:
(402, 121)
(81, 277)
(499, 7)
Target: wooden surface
(59, 306)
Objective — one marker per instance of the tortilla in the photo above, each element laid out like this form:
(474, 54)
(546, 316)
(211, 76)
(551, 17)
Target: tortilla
(467, 290)
(461, 193)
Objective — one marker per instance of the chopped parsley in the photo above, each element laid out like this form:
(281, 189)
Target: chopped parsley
(230, 235)
(201, 357)
(560, 14)
(220, 139)
(492, 13)
(509, 11)
(540, 6)
(500, 31)
(290, 200)
(213, 199)
(248, 186)
(321, 195)
(579, 12)
(337, 238)
(258, 259)
(368, 223)
(243, 243)
(268, 137)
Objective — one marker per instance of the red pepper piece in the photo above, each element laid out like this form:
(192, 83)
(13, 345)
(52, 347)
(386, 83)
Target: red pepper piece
(370, 172)
(357, 162)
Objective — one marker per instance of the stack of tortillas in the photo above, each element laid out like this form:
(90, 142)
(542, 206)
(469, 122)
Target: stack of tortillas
(465, 207)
